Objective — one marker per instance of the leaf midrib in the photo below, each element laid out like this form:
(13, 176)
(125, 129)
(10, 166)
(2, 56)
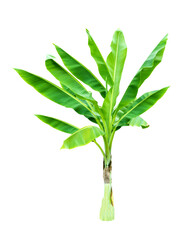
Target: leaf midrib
(114, 75)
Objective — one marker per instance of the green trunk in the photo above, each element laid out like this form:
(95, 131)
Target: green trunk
(107, 207)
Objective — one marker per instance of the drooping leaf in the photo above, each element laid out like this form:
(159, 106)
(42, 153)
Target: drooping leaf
(115, 63)
(55, 93)
(141, 105)
(82, 137)
(138, 122)
(143, 73)
(58, 124)
(67, 79)
(80, 71)
(102, 67)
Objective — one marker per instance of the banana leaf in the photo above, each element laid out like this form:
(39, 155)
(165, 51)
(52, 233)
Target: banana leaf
(143, 73)
(55, 93)
(102, 67)
(66, 79)
(141, 105)
(115, 62)
(58, 124)
(137, 121)
(82, 137)
(81, 72)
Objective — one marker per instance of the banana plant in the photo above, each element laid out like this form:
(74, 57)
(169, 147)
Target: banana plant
(110, 116)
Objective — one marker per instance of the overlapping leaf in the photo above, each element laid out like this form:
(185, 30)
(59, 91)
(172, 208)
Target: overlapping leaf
(80, 71)
(137, 121)
(82, 137)
(66, 79)
(143, 73)
(55, 93)
(141, 105)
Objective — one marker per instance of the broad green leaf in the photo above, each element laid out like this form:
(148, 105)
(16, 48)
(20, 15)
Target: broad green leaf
(115, 63)
(80, 71)
(102, 67)
(141, 105)
(143, 73)
(82, 137)
(137, 121)
(55, 93)
(58, 124)
(66, 79)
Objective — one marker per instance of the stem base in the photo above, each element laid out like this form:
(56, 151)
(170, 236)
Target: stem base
(107, 208)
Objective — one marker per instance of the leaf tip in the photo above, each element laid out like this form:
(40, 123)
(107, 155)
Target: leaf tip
(55, 45)
(165, 38)
(37, 115)
(16, 69)
(63, 147)
(118, 30)
(19, 71)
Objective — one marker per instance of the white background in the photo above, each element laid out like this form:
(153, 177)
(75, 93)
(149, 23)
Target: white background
(48, 193)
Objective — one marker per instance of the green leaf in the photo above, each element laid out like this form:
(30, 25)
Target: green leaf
(94, 107)
(82, 137)
(58, 124)
(143, 73)
(80, 71)
(106, 110)
(141, 105)
(66, 79)
(138, 122)
(102, 67)
(55, 93)
(115, 62)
